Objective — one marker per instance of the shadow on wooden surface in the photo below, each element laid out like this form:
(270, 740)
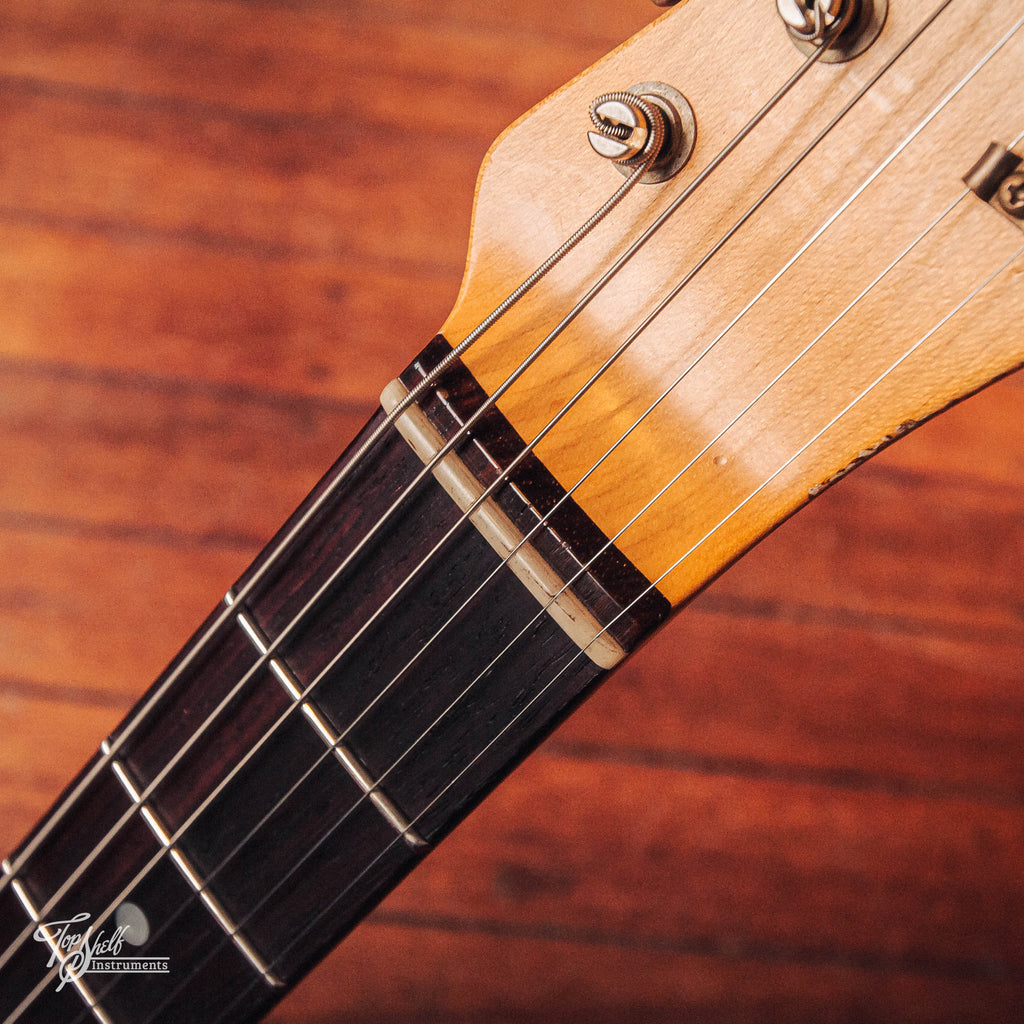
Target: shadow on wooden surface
(223, 226)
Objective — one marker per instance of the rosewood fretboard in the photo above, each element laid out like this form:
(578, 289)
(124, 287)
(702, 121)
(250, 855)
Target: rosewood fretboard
(321, 742)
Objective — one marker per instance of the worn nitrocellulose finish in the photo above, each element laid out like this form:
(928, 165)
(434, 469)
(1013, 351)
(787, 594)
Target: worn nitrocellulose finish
(224, 228)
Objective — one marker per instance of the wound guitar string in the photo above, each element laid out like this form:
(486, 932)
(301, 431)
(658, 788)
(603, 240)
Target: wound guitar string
(423, 475)
(111, 748)
(494, 573)
(973, 294)
(138, 716)
(902, 146)
(637, 332)
(675, 565)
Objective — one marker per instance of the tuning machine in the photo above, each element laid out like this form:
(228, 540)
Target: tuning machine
(848, 26)
(622, 132)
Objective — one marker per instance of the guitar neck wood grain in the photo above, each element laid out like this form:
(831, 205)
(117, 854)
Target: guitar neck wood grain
(851, 263)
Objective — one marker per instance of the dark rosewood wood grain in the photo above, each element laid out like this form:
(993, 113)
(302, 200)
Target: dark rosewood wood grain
(193, 944)
(431, 661)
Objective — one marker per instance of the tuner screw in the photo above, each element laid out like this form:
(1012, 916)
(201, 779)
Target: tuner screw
(622, 130)
(814, 21)
(1011, 196)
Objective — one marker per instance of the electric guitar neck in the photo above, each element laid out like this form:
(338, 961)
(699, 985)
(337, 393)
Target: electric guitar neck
(788, 240)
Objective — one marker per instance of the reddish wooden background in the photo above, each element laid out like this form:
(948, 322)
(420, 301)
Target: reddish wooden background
(223, 225)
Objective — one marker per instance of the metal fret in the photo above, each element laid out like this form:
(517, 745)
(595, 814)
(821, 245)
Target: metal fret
(156, 827)
(122, 777)
(345, 757)
(182, 863)
(286, 679)
(26, 901)
(250, 628)
(189, 873)
(319, 725)
(41, 929)
(262, 645)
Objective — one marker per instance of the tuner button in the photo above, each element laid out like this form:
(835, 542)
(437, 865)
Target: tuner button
(664, 3)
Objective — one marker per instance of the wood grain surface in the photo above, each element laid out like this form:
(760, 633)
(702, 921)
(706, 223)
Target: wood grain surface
(223, 227)
(846, 258)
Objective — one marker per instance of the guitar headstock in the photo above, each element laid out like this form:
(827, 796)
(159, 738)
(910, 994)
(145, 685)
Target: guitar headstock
(860, 281)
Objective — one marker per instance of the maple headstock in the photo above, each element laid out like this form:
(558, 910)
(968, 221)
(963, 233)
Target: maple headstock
(859, 256)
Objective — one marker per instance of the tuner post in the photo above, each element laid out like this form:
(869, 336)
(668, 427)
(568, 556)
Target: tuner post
(998, 179)
(845, 27)
(1011, 196)
(623, 132)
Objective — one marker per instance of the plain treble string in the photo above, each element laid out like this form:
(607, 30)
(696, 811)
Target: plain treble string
(828, 426)
(596, 376)
(497, 483)
(651, 317)
(584, 568)
(138, 717)
(462, 434)
(633, 427)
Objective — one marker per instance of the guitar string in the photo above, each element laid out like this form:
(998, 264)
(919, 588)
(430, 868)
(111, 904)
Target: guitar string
(527, 628)
(226, 615)
(211, 877)
(835, 419)
(460, 436)
(864, 293)
(298, 864)
(504, 562)
(648, 320)
(138, 716)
